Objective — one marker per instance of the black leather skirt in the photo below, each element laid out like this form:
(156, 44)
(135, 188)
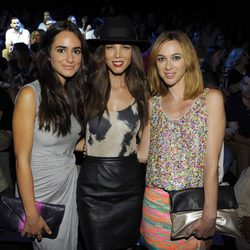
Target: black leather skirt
(109, 200)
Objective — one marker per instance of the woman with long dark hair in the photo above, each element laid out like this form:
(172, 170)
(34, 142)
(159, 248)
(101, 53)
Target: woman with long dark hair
(46, 126)
(111, 181)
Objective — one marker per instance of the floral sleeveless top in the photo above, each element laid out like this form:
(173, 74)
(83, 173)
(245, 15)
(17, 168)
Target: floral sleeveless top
(177, 147)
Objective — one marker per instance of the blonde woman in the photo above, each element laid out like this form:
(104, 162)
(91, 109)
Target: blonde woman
(185, 136)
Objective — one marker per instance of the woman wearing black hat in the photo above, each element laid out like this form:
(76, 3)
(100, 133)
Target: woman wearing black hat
(111, 181)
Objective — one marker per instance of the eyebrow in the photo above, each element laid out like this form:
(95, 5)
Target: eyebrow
(175, 54)
(65, 47)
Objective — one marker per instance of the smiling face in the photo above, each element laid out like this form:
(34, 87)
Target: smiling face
(170, 63)
(66, 55)
(118, 58)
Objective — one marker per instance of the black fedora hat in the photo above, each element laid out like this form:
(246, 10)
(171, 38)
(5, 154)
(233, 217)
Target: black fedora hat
(120, 30)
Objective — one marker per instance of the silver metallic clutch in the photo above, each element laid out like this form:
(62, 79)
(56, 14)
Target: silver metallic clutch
(226, 222)
(187, 207)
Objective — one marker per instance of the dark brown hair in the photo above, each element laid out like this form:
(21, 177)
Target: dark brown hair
(56, 109)
(100, 85)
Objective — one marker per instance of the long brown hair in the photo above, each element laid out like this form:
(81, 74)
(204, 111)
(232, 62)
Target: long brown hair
(55, 108)
(135, 78)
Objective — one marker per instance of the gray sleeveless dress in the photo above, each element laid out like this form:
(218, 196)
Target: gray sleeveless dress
(55, 177)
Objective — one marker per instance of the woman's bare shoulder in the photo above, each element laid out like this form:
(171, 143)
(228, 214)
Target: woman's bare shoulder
(214, 95)
(26, 94)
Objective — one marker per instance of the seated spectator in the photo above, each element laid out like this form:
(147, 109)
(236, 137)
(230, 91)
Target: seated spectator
(238, 124)
(235, 69)
(46, 16)
(95, 32)
(85, 27)
(213, 60)
(72, 19)
(21, 65)
(36, 36)
(233, 81)
(16, 34)
(49, 22)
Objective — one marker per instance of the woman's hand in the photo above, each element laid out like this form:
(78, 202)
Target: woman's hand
(84, 148)
(202, 229)
(81, 146)
(34, 226)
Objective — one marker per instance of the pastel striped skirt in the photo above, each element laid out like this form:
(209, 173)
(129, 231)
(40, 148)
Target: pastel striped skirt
(156, 224)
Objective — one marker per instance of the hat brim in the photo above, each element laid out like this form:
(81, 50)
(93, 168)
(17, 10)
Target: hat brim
(94, 43)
